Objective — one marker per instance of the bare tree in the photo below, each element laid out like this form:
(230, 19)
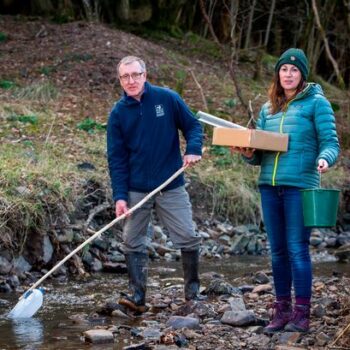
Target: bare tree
(326, 44)
(232, 62)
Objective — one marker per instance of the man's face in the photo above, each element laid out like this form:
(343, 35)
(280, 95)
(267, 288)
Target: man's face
(132, 79)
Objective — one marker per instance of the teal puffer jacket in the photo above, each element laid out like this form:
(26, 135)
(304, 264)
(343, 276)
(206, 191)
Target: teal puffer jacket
(309, 121)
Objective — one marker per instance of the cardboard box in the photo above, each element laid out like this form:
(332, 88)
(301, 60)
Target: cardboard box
(250, 138)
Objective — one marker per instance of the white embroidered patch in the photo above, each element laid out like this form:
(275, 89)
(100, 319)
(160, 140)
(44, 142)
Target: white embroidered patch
(159, 110)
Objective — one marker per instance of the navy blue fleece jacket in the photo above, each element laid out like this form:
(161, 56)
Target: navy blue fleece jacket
(143, 143)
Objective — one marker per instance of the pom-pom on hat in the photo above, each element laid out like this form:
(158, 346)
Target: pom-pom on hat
(295, 57)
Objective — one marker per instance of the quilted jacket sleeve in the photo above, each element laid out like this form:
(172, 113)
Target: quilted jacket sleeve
(328, 144)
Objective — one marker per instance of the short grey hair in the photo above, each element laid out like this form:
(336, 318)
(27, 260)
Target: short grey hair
(131, 59)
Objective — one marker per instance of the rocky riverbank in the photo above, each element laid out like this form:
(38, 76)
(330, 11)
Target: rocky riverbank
(233, 317)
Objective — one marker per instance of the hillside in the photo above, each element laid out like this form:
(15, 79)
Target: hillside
(57, 86)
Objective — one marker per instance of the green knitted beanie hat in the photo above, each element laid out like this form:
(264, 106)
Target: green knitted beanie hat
(295, 57)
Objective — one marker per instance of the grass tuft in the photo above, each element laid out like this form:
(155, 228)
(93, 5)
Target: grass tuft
(39, 91)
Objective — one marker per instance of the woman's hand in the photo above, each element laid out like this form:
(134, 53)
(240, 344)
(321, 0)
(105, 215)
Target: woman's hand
(322, 166)
(246, 152)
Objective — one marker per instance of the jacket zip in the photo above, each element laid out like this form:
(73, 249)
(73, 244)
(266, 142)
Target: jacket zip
(278, 153)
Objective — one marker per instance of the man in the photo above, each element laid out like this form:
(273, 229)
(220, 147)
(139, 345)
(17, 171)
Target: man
(144, 151)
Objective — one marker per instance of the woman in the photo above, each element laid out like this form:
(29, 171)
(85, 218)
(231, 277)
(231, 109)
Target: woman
(300, 110)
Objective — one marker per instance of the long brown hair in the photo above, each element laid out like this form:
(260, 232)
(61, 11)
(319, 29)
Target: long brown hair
(278, 100)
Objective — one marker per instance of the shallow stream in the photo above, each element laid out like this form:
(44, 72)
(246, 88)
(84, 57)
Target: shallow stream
(57, 324)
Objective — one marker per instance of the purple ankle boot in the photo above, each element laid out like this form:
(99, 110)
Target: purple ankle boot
(300, 319)
(282, 313)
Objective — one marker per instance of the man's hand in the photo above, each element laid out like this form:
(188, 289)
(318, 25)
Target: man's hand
(322, 166)
(246, 152)
(191, 159)
(121, 207)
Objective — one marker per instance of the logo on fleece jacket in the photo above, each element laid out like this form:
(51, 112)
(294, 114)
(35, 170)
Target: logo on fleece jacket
(159, 110)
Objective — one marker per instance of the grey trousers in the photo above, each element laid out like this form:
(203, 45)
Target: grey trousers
(174, 211)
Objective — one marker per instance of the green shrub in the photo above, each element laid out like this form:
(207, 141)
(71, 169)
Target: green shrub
(30, 119)
(89, 125)
(6, 84)
(3, 37)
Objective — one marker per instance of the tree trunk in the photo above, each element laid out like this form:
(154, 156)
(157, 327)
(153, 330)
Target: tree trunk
(41, 7)
(123, 10)
(269, 22)
(347, 13)
(250, 25)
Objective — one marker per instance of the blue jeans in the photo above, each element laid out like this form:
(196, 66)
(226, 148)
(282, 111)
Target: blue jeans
(289, 240)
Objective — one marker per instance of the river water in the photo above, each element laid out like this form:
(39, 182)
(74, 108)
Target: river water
(57, 325)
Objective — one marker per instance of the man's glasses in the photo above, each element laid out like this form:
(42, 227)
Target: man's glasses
(135, 76)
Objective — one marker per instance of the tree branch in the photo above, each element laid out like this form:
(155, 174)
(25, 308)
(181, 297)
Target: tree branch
(201, 91)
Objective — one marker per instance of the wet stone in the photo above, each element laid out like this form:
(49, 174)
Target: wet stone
(261, 278)
(99, 336)
(177, 322)
(344, 238)
(120, 314)
(153, 334)
(238, 318)
(5, 287)
(237, 304)
(246, 288)
(108, 308)
(263, 288)
(5, 266)
(96, 265)
(261, 341)
(21, 265)
(256, 329)
(343, 253)
(165, 347)
(322, 339)
(288, 337)
(100, 243)
(219, 287)
(319, 311)
(13, 281)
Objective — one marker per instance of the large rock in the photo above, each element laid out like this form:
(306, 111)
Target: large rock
(5, 266)
(21, 265)
(237, 303)
(47, 249)
(240, 243)
(98, 336)
(238, 318)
